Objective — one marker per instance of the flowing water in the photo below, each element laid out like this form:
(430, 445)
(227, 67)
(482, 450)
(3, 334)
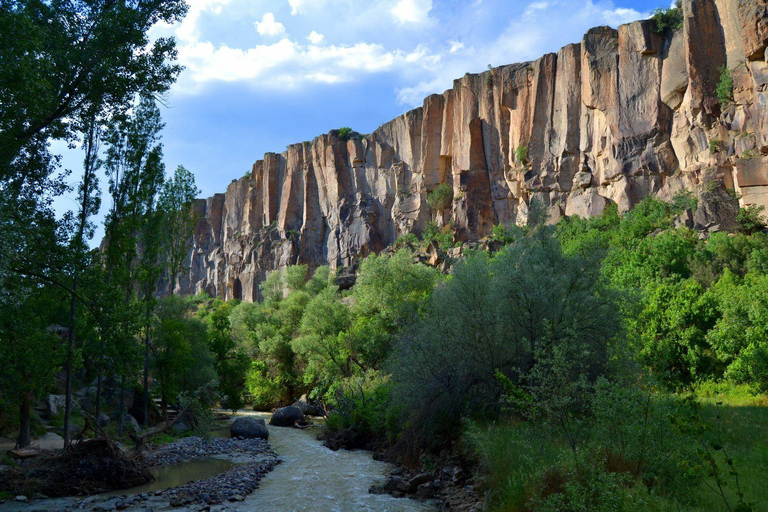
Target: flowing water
(311, 478)
(314, 478)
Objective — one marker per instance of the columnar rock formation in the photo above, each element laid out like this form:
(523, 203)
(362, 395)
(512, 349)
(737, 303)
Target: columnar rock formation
(622, 115)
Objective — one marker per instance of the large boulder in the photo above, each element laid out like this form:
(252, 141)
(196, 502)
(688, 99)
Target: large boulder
(249, 428)
(306, 408)
(287, 417)
(55, 404)
(717, 208)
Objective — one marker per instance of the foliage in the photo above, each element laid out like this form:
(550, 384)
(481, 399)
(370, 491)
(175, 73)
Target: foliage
(724, 88)
(440, 198)
(182, 357)
(443, 237)
(178, 220)
(670, 19)
(345, 132)
(230, 361)
(521, 154)
(751, 219)
(516, 313)
(715, 145)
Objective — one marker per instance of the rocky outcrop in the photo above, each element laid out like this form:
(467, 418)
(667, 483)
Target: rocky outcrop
(622, 115)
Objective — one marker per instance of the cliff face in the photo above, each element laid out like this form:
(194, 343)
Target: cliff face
(622, 115)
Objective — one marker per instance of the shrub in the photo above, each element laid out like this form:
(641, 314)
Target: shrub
(715, 146)
(668, 19)
(440, 198)
(443, 237)
(521, 154)
(751, 218)
(725, 86)
(345, 132)
(513, 312)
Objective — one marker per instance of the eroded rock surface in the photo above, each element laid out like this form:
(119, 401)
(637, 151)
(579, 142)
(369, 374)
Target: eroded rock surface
(622, 115)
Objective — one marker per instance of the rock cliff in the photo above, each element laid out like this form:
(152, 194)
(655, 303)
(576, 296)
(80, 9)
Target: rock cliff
(619, 116)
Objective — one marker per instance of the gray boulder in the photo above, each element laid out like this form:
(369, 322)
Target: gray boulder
(307, 408)
(103, 420)
(249, 428)
(287, 417)
(131, 423)
(717, 207)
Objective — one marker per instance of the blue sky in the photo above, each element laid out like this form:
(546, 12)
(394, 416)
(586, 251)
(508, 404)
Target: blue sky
(262, 74)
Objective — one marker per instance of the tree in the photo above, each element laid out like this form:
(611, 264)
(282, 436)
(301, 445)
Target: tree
(62, 58)
(179, 219)
(90, 201)
(230, 361)
(514, 313)
(135, 171)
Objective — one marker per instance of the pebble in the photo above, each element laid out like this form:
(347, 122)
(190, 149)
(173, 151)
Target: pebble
(196, 447)
(21, 498)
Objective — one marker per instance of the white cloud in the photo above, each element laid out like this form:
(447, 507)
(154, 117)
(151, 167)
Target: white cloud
(287, 64)
(621, 15)
(456, 46)
(268, 26)
(296, 6)
(534, 8)
(412, 11)
(315, 38)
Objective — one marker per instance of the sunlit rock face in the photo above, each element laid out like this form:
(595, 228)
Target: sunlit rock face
(622, 115)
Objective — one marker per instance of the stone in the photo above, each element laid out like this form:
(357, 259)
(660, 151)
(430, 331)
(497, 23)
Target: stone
(103, 420)
(249, 428)
(306, 408)
(287, 417)
(131, 423)
(716, 207)
(22, 498)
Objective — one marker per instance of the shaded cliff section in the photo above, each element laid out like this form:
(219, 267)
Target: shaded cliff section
(622, 115)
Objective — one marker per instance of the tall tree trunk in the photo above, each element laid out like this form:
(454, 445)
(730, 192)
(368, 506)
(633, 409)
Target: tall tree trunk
(99, 378)
(121, 413)
(146, 375)
(24, 412)
(68, 369)
(90, 163)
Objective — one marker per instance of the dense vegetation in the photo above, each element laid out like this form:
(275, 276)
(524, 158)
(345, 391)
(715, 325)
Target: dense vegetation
(566, 365)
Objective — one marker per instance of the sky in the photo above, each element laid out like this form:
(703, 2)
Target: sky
(262, 74)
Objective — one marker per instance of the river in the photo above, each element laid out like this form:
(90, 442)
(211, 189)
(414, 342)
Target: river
(310, 478)
(314, 478)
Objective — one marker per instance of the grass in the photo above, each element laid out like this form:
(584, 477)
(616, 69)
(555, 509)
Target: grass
(515, 457)
(5, 495)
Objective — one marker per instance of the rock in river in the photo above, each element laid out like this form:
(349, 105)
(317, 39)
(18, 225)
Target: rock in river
(287, 417)
(249, 428)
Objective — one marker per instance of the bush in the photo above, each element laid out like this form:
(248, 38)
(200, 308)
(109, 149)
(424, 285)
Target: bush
(668, 19)
(724, 89)
(443, 237)
(515, 312)
(521, 154)
(440, 198)
(358, 417)
(345, 132)
(715, 146)
(751, 218)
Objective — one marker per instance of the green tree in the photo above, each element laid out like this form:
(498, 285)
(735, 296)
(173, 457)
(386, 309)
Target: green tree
(230, 361)
(179, 219)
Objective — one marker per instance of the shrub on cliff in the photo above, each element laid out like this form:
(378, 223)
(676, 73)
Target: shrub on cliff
(725, 86)
(668, 19)
(440, 198)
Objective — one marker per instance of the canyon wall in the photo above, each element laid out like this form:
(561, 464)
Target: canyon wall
(622, 115)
